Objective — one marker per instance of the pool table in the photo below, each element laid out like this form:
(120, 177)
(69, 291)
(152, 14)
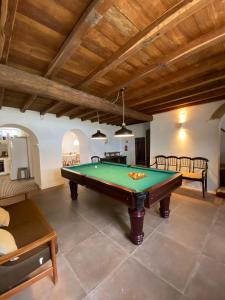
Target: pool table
(113, 180)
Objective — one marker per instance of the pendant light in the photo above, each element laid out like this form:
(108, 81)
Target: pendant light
(98, 135)
(123, 132)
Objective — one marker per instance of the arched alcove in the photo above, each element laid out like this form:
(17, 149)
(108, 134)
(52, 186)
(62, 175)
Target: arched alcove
(33, 151)
(75, 141)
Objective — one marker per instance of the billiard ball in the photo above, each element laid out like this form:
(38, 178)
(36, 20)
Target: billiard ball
(96, 167)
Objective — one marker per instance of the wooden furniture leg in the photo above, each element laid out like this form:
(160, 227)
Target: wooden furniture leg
(73, 190)
(136, 221)
(53, 257)
(165, 207)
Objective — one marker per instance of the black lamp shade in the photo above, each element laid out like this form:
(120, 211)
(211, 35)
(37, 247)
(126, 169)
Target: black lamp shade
(123, 132)
(98, 136)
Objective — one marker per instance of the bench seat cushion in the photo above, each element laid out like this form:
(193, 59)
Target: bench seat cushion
(190, 175)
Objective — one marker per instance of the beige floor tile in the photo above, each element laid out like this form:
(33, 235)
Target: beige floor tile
(75, 232)
(199, 212)
(168, 259)
(120, 232)
(94, 259)
(209, 281)
(67, 288)
(185, 231)
(132, 281)
(215, 245)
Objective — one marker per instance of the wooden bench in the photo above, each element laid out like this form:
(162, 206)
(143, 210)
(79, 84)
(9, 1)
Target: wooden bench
(192, 168)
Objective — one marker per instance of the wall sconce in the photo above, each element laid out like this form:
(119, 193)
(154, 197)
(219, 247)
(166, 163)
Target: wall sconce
(182, 132)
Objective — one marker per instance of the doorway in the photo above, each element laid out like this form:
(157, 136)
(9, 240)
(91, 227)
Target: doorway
(70, 149)
(140, 155)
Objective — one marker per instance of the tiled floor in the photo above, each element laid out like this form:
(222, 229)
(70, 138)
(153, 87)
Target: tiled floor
(181, 258)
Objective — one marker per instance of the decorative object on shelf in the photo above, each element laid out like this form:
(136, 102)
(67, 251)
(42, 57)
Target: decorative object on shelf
(98, 135)
(123, 132)
(136, 176)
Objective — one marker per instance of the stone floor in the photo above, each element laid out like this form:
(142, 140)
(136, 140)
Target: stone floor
(181, 258)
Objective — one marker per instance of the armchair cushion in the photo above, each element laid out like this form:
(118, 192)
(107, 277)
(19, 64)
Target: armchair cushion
(4, 217)
(191, 175)
(7, 242)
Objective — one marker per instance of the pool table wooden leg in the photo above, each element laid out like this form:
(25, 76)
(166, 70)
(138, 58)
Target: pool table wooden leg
(165, 207)
(136, 221)
(73, 190)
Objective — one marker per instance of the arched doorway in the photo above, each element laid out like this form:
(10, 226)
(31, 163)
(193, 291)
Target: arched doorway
(75, 148)
(21, 147)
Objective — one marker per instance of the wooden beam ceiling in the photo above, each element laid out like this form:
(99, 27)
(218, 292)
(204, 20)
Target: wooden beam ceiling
(50, 108)
(197, 45)
(15, 79)
(185, 88)
(66, 112)
(173, 16)
(193, 100)
(212, 91)
(204, 67)
(7, 20)
(91, 16)
(190, 103)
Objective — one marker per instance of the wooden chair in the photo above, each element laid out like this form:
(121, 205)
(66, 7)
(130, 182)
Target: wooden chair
(198, 164)
(95, 158)
(160, 160)
(185, 162)
(36, 242)
(172, 161)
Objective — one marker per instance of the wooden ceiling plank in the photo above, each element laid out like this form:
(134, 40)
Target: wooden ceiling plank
(7, 20)
(180, 88)
(164, 23)
(197, 45)
(219, 96)
(187, 104)
(90, 17)
(210, 64)
(33, 84)
(214, 91)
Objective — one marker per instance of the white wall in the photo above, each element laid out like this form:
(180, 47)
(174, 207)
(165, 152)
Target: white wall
(202, 138)
(50, 130)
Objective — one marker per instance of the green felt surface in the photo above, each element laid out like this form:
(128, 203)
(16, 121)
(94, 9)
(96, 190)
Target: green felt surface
(118, 174)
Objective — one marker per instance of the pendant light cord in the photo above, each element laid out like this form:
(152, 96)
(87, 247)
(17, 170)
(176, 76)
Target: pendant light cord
(122, 92)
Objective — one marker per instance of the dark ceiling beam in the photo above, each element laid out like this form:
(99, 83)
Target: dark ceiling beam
(7, 20)
(66, 112)
(33, 84)
(219, 112)
(89, 115)
(91, 16)
(216, 91)
(195, 46)
(201, 68)
(84, 114)
(183, 105)
(51, 108)
(79, 111)
(160, 26)
(180, 87)
(206, 97)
